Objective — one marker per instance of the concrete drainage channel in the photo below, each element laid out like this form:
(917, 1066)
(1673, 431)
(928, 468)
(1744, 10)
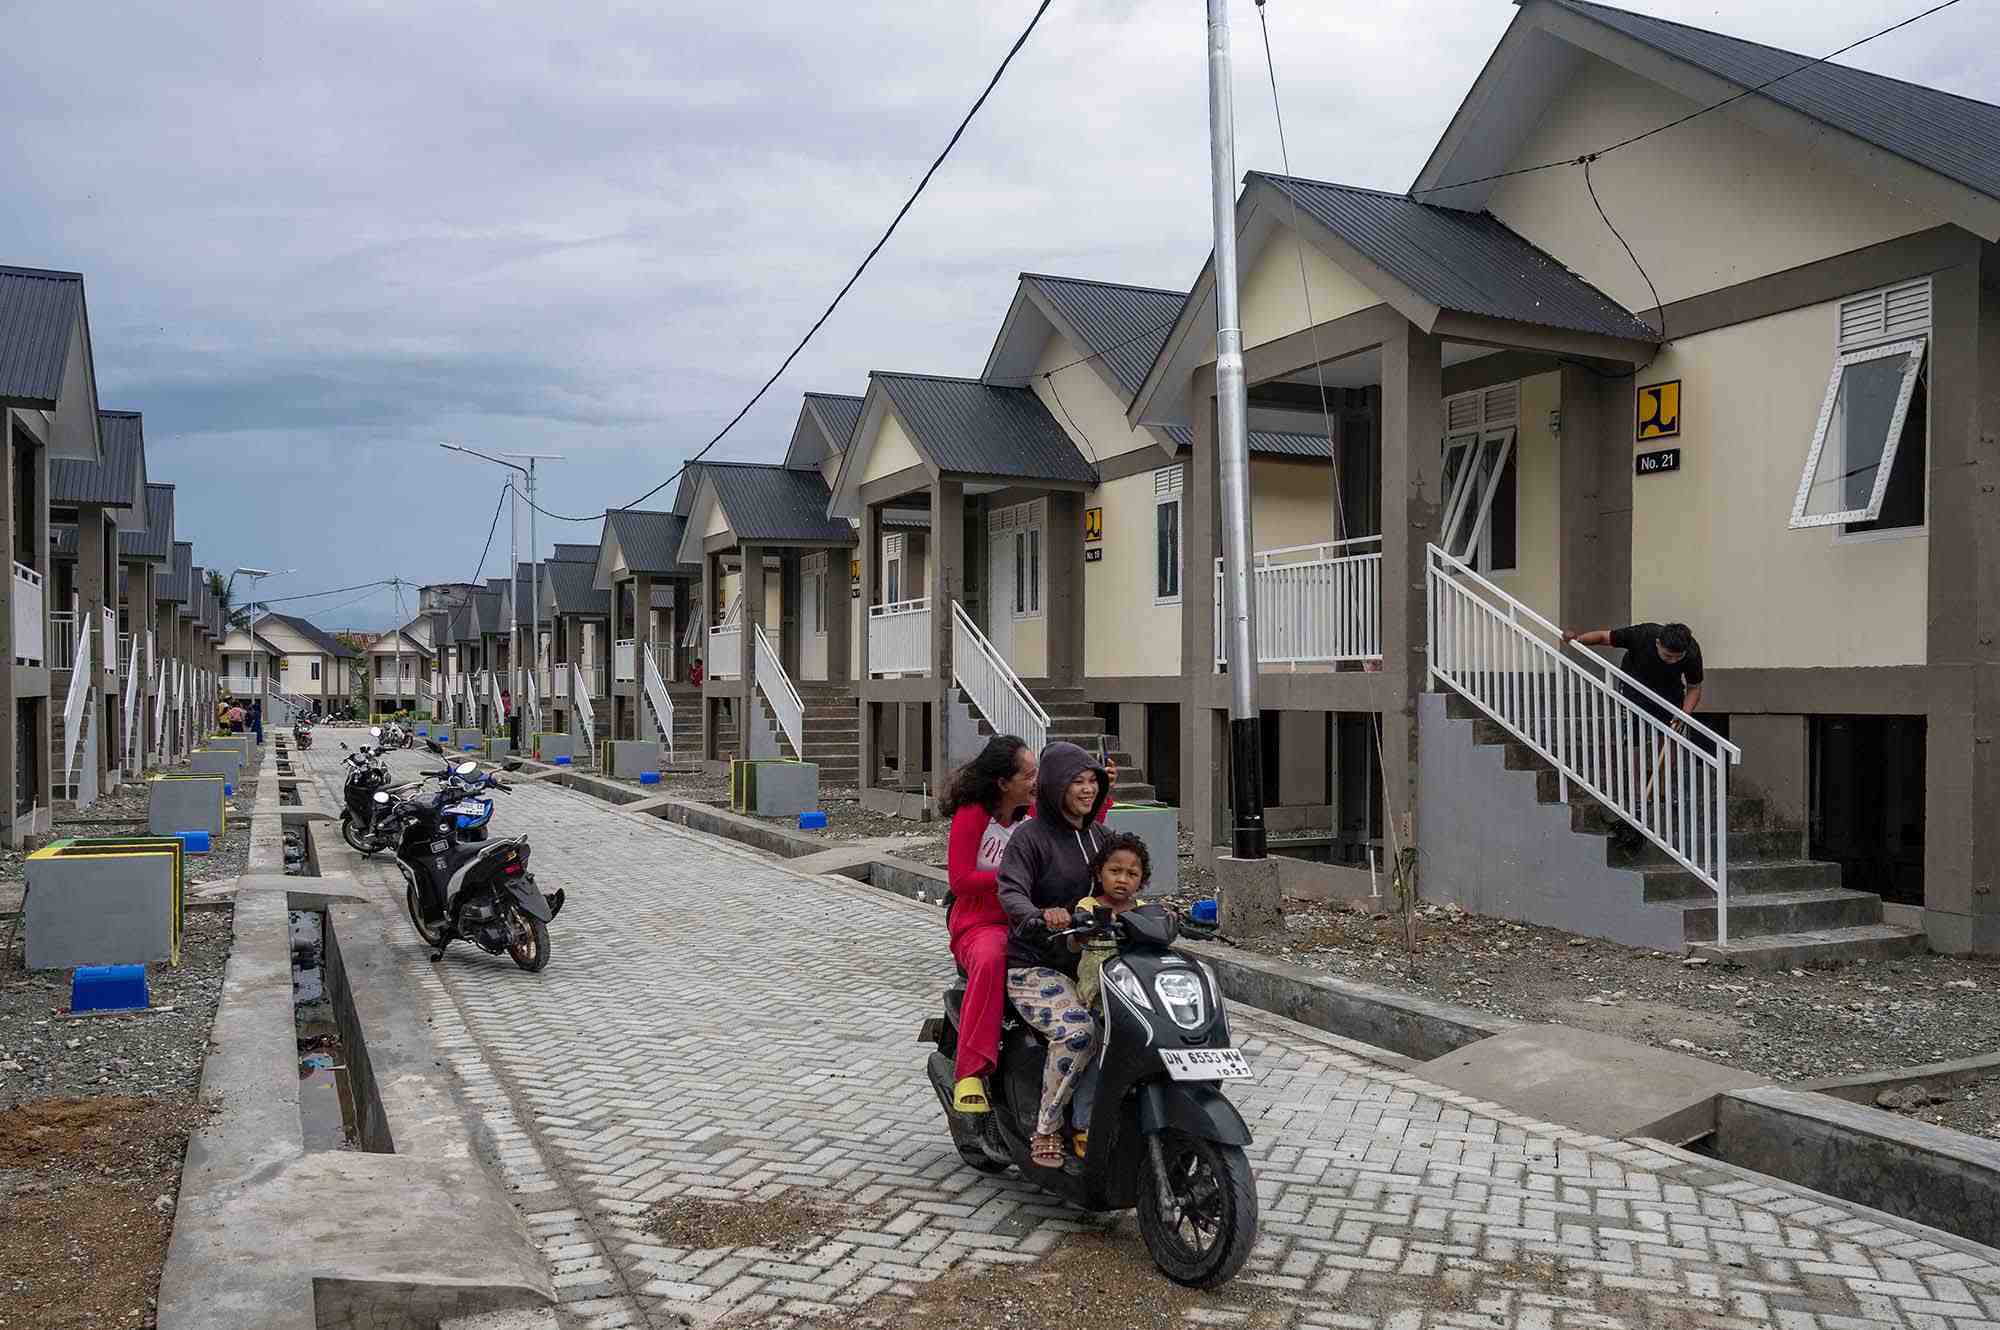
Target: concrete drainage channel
(1824, 1136)
(306, 1204)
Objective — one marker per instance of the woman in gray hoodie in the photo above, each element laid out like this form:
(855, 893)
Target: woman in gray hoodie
(1045, 870)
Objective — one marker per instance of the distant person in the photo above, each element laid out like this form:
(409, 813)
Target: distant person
(257, 718)
(236, 716)
(694, 672)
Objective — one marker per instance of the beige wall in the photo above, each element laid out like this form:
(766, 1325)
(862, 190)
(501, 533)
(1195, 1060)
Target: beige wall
(1125, 634)
(1710, 545)
(1090, 412)
(718, 521)
(1698, 205)
(1537, 576)
(1291, 502)
(1273, 301)
(893, 450)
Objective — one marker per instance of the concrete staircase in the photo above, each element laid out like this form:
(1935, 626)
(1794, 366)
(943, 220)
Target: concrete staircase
(832, 734)
(1785, 910)
(1073, 719)
(687, 724)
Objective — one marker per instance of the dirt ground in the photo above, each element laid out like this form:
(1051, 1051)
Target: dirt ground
(1973, 1107)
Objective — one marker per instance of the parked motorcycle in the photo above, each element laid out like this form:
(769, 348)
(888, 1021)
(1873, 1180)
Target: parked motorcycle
(360, 814)
(481, 893)
(1163, 1137)
(302, 734)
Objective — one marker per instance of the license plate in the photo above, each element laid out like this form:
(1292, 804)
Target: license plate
(1206, 1064)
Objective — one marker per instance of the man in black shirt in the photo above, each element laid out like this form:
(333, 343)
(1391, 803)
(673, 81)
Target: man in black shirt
(1663, 657)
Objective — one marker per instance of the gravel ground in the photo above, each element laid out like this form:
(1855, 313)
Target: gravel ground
(1973, 1107)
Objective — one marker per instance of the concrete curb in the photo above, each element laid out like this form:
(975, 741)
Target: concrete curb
(1862, 1089)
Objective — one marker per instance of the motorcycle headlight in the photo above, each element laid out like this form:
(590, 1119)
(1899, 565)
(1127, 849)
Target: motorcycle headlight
(1181, 993)
(1128, 986)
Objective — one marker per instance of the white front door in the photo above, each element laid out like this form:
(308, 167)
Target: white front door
(1000, 594)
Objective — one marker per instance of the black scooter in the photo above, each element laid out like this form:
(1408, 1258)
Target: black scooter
(482, 893)
(1162, 1135)
(302, 734)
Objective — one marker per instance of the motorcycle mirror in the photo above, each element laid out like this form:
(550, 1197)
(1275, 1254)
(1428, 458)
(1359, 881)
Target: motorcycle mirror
(374, 731)
(467, 768)
(434, 746)
(381, 796)
(514, 764)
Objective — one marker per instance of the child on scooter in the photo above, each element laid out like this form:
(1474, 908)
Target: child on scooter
(1122, 867)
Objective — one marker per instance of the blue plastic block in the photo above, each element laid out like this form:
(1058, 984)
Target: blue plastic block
(560, 761)
(194, 842)
(472, 748)
(228, 790)
(109, 988)
(423, 731)
(813, 821)
(649, 778)
(1202, 912)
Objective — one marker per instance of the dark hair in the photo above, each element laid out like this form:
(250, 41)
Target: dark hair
(1123, 840)
(1676, 638)
(979, 781)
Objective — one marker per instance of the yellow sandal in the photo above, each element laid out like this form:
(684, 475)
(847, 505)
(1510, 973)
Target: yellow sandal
(969, 1096)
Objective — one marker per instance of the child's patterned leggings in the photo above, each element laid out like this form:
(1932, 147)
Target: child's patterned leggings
(1047, 999)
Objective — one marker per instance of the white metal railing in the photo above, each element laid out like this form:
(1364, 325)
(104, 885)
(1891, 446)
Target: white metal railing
(62, 639)
(661, 702)
(242, 685)
(1576, 711)
(734, 614)
(559, 680)
(108, 619)
(29, 603)
(899, 637)
(533, 716)
(76, 706)
(625, 655)
(1316, 604)
(583, 710)
(152, 653)
(162, 671)
(130, 764)
(979, 668)
(693, 633)
(781, 694)
(725, 652)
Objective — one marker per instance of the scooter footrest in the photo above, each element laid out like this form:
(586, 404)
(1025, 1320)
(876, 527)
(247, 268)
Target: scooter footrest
(931, 1031)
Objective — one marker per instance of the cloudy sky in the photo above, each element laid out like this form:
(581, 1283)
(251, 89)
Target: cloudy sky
(320, 238)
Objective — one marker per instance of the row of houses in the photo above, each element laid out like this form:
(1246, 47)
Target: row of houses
(1478, 417)
(114, 658)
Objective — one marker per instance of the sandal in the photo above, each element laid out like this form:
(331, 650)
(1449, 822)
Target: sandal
(1045, 1150)
(1081, 1140)
(969, 1096)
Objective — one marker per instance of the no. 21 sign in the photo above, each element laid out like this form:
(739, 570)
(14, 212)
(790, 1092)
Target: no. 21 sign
(1659, 461)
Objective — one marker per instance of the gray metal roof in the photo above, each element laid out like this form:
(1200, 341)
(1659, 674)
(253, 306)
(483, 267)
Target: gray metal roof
(1263, 442)
(1124, 326)
(574, 554)
(1957, 137)
(38, 310)
(1464, 261)
(772, 504)
(325, 641)
(650, 540)
(575, 586)
(107, 483)
(839, 412)
(976, 428)
(156, 541)
(180, 581)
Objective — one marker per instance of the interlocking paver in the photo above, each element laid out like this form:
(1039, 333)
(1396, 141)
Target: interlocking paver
(714, 1024)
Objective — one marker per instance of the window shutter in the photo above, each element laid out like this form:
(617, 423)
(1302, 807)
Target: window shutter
(1885, 315)
(892, 548)
(1167, 481)
(1501, 405)
(1461, 413)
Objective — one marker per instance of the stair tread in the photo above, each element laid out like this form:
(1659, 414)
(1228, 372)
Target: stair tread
(1763, 899)
(1809, 937)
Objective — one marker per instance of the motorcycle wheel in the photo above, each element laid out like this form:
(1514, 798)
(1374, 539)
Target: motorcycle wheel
(1204, 1241)
(353, 837)
(530, 945)
(434, 938)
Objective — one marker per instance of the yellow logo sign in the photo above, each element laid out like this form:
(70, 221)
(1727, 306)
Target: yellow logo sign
(1660, 410)
(1093, 524)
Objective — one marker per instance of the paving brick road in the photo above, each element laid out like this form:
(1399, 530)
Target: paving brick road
(713, 1024)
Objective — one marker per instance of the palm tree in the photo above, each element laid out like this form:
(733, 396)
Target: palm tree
(218, 590)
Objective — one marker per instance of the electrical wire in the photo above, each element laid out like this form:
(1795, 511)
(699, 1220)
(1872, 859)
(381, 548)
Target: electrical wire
(1681, 120)
(313, 595)
(506, 487)
(1088, 446)
(847, 286)
(1658, 308)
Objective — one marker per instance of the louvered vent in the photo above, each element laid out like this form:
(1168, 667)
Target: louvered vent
(1886, 315)
(1168, 480)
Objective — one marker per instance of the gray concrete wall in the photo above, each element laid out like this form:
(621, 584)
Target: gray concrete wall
(1491, 846)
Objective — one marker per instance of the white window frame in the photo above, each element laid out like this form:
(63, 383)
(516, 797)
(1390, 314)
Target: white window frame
(892, 569)
(315, 669)
(1913, 349)
(1873, 321)
(814, 569)
(1029, 523)
(1168, 484)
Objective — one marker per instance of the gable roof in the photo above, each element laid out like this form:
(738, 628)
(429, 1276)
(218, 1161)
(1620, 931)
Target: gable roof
(769, 504)
(38, 311)
(116, 479)
(574, 554)
(977, 428)
(1956, 137)
(325, 641)
(825, 425)
(155, 540)
(180, 581)
(1121, 326)
(649, 540)
(574, 586)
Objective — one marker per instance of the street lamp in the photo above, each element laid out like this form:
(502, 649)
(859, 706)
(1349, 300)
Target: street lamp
(513, 554)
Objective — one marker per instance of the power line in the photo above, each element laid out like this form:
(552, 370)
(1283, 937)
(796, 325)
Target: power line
(1681, 120)
(480, 572)
(313, 595)
(847, 286)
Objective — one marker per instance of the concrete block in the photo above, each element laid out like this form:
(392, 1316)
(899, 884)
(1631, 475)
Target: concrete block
(1159, 826)
(549, 747)
(773, 788)
(88, 908)
(626, 758)
(441, 733)
(913, 804)
(224, 762)
(499, 747)
(186, 803)
(1252, 901)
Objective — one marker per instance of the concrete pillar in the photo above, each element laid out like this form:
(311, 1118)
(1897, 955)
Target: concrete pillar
(792, 615)
(93, 593)
(871, 555)
(10, 798)
(1412, 388)
(839, 622)
(747, 711)
(1062, 551)
(1776, 765)
(910, 743)
(644, 726)
(1596, 500)
(710, 578)
(946, 586)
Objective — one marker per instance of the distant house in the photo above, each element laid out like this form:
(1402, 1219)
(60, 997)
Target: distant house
(312, 663)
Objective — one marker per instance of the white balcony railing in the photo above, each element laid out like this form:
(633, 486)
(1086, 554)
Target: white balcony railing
(992, 685)
(780, 694)
(725, 652)
(28, 606)
(62, 639)
(899, 638)
(559, 682)
(1315, 604)
(625, 655)
(1575, 709)
(582, 711)
(243, 685)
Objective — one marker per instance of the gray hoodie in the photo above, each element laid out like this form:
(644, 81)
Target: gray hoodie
(1047, 863)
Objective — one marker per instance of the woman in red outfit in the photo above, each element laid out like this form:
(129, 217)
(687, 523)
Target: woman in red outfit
(989, 797)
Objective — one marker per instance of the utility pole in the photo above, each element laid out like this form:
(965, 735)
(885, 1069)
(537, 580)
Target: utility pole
(1232, 431)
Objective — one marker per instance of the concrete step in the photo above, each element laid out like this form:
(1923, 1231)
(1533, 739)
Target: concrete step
(1747, 812)
(1664, 884)
(1134, 791)
(1779, 913)
(1813, 949)
(1776, 845)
